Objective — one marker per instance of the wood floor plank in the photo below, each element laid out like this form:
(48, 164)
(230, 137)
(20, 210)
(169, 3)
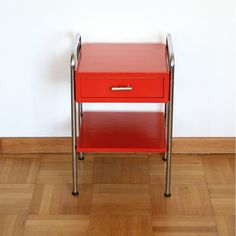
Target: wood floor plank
(225, 225)
(36, 145)
(120, 225)
(19, 171)
(55, 233)
(232, 164)
(27, 155)
(15, 198)
(204, 145)
(49, 199)
(171, 225)
(185, 170)
(7, 224)
(218, 170)
(60, 225)
(222, 198)
(185, 200)
(120, 169)
(57, 170)
(121, 199)
(12, 225)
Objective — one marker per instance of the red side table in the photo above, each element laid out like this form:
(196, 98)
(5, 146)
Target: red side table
(111, 72)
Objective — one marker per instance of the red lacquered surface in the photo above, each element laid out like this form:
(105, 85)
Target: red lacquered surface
(122, 132)
(135, 59)
(101, 66)
(141, 87)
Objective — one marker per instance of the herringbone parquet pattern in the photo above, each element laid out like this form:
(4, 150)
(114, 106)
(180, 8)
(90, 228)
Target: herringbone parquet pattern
(120, 195)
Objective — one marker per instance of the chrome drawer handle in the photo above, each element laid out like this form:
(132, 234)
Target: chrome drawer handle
(121, 88)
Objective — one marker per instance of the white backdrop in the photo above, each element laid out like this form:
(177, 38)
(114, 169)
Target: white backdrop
(36, 38)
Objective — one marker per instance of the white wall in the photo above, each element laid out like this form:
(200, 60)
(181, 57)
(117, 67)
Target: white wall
(35, 43)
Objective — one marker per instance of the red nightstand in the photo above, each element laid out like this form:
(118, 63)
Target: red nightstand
(122, 73)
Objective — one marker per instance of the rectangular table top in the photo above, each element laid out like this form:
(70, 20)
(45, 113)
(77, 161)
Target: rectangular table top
(123, 58)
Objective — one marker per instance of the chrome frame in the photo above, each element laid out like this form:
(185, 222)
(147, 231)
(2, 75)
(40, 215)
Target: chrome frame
(74, 122)
(169, 114)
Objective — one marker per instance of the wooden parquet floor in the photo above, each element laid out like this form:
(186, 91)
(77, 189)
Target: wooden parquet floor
(120, 195)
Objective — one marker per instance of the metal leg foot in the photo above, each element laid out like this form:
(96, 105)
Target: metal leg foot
(167, 194)
(75, 193)
(81, 156)
(164, 158)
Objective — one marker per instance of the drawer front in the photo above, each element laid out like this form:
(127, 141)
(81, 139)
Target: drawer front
(122, 87)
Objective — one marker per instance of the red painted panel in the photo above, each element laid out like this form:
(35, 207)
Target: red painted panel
(143, 66)
(122, 132)
(102, 87)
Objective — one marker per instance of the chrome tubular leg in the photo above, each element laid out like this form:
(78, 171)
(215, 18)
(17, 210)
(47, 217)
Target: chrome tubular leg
(168, 159)
(166, 128)
(81, 154)
(77, 118)
(169, 136)
(73, 130)
(169, 121)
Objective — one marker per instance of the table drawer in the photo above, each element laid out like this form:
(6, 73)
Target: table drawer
(121, 87)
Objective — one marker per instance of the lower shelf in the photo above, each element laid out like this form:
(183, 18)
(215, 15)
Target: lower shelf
(122, 132)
